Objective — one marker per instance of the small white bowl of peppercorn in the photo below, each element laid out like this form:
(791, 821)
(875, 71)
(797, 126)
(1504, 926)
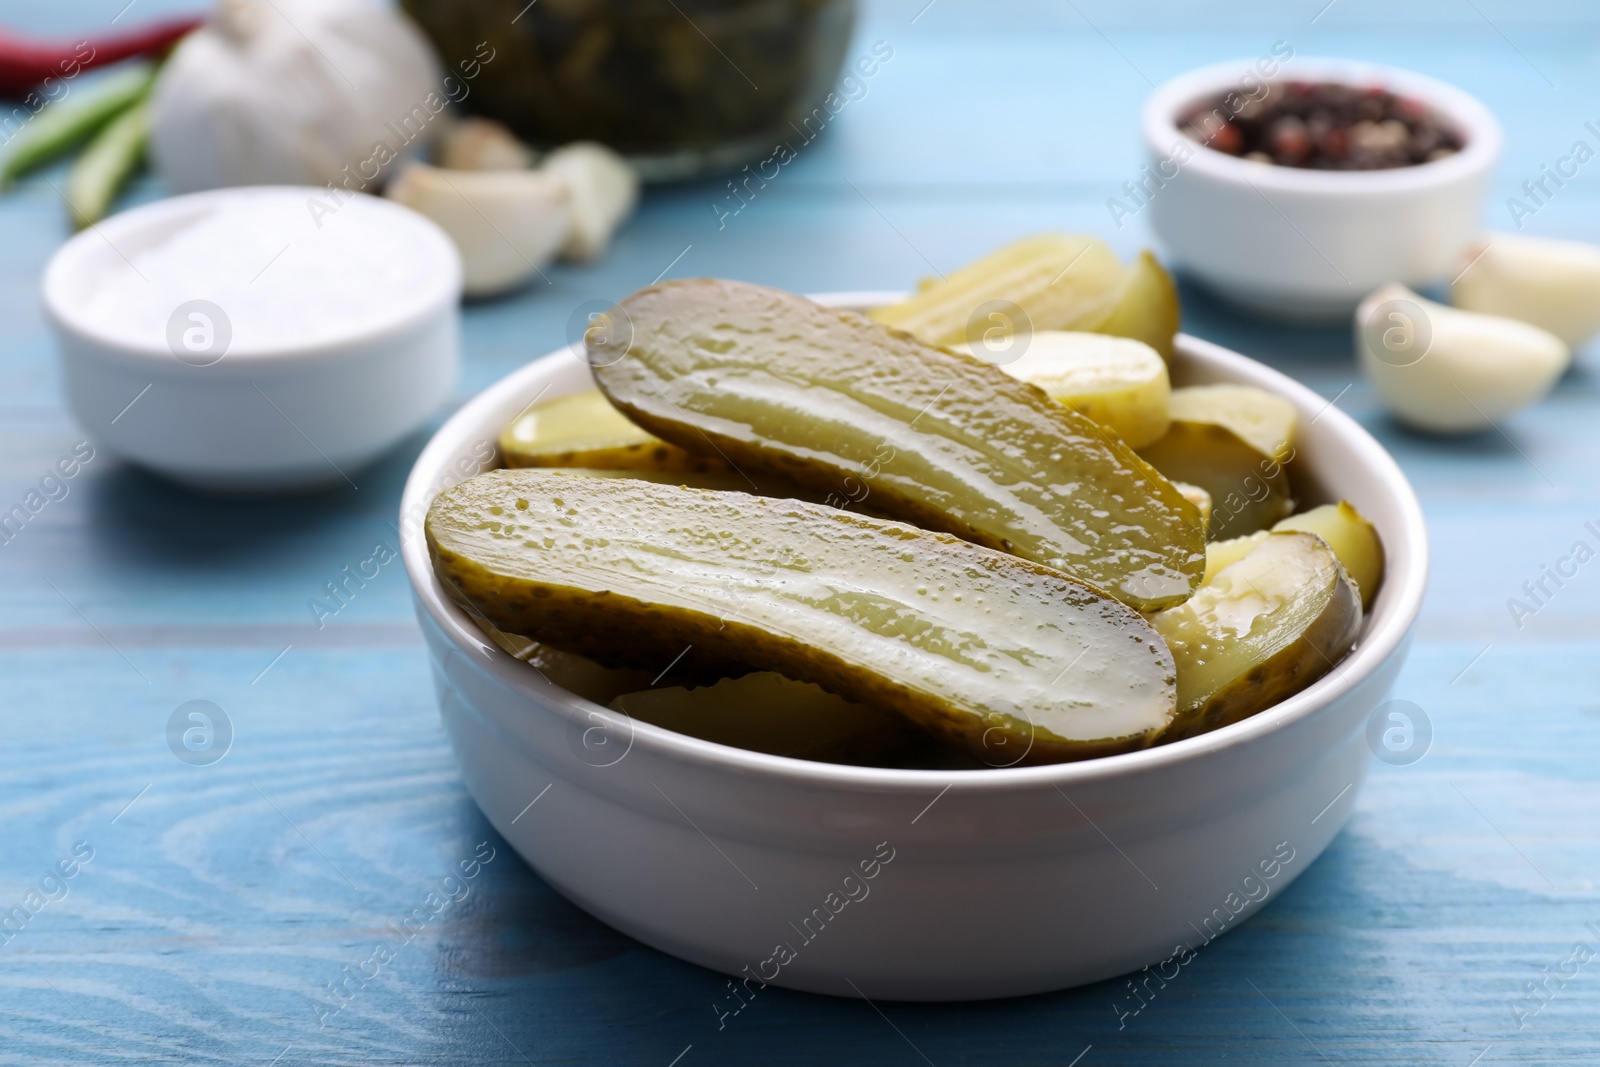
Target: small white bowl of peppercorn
(1295, 186)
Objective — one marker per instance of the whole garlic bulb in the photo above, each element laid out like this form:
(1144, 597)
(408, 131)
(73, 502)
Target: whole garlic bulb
(294, 92)
(1552, 284)
(1444, 370)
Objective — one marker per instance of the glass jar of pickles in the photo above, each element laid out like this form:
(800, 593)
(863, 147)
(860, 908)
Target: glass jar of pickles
(681, 87)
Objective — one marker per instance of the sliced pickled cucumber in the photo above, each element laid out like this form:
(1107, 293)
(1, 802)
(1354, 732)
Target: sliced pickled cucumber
(1264, 420)
(766, 712)
(1352, 538)
(574, 673)
(1012, 660)
(1223, 554)
(1116, 381)
(584, 430)
(780, 385)
(1262, 630)
(1249, 489)
(1056, 281)
(1149, 310)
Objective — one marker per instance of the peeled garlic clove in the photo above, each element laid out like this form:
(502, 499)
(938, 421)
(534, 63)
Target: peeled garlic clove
(483, 144)
(505, 223)
(1444, 370)
(604, 190)
(1554, 285)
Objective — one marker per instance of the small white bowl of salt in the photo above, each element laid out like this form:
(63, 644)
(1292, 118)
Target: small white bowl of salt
(253, 340)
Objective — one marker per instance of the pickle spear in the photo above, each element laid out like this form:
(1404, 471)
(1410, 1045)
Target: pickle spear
(1009, 659)
(1149, 310)
(1056, 281)
(779, 385)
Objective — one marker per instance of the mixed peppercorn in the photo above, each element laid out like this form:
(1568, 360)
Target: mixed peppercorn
(1323, 126)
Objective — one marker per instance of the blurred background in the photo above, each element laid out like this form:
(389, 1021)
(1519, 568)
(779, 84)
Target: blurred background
(997, 120)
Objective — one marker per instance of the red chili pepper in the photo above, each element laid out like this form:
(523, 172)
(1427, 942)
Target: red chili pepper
(25, 63)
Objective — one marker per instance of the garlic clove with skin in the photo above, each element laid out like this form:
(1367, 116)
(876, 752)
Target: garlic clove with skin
(1552, 284)
(505, 223)
(1444, 370)
(483, 144)
(604, 191)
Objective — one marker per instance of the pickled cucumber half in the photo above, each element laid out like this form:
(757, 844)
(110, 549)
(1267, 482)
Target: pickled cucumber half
(584, 430)
(1009, 659)
(1260, 631)
(778, 384)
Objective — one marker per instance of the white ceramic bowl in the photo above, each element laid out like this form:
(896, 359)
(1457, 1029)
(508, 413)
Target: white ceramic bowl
(1001, 882)
(258, 415)
(1307, 244)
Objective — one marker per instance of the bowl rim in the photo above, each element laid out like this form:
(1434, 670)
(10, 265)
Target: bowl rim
(1158, 122)
(61, 280)
(1384, 632)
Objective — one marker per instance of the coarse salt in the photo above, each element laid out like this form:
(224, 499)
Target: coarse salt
(285, 277)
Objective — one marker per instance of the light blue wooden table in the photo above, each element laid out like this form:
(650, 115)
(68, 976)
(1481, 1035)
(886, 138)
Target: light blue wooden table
(222, 903)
